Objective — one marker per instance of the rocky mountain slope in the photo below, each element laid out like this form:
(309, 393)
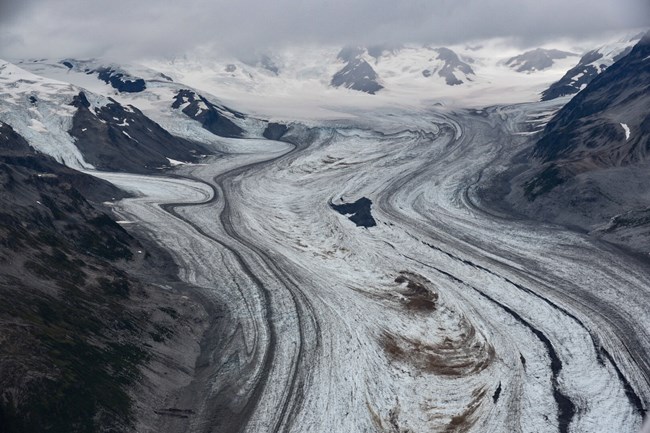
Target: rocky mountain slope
(118, 138)
(83, 338)
(133, 119)
(357, 74)
(450, 67)
(591, 161)
(589, 66)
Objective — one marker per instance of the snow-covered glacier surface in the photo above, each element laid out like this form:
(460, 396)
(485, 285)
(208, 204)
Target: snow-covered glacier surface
(444, 316)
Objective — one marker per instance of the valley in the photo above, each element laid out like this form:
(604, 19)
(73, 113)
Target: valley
(389, 239)
(447, 313)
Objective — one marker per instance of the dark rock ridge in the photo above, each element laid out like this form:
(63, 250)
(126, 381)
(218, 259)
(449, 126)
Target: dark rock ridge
(120, 81)
(275, 131)
(119, 138)
(576, 78)
(586, 171)
(357, 74)
(451, 65)
(590, 124)
(15, 150)
(77, 327)
(589, 66)
(357, 212)
(209, 115)
(536, 60)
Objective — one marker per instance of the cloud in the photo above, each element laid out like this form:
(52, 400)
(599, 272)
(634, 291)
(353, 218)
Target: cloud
(121, 28)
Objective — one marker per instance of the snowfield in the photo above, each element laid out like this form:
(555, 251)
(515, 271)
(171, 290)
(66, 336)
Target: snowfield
(39, 109)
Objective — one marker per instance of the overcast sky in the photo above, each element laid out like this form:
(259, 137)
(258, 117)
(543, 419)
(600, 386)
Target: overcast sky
(133, 28)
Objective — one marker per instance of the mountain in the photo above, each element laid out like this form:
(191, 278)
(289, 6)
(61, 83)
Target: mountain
(608, 122)
(119, 80)
(83, 339)
(84, 129)
(450, 67)
(133, 119)
(357, 74)
(118, 138)
(589, 66)
(209, 115)
(536, 60)
(591, 163)
(306, 77)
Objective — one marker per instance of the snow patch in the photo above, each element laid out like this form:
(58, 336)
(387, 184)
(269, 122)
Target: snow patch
(174, 162)
(37, 126)
(127, 134)
(627, 131)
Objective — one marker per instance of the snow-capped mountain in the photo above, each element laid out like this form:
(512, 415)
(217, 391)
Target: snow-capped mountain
(39, 109)
(537, 59)
(120, 138)
(357, 74)
(88, 114)
(607, 123)
(176, 98)
(381, 64)
(326, 81)
(589, 66)
(447, 65)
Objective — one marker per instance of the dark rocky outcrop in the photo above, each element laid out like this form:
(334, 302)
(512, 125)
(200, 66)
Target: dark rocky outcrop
(119, 138)
(357, 212)
(357, 74)
(120, 81)
(209, 115)
(576, 78)
(275, 131)
(451, 65)
(15, 150)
